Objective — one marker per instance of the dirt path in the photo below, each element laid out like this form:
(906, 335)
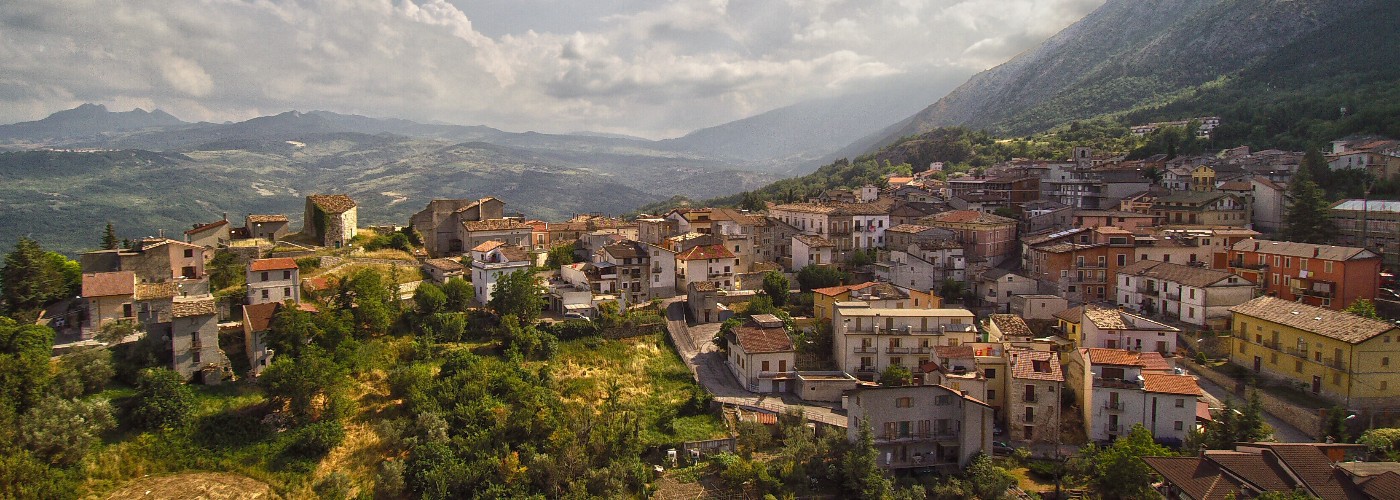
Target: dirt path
(196, 485)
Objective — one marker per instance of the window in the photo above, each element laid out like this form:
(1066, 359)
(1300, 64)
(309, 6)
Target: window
(1298, 365)
(264, 293)
(1177, 425)
(1385, 361)
(189, 253)
(904, 402)
(765, 366)
(943, 400)
(1327, 266)
(992, 393)
(194, 356)
(990, 373)
(1180, 402)
(286, 291)
(1122, 259)
(286, 275)
(263, 276)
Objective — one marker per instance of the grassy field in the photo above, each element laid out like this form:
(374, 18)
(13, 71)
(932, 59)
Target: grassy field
(643, 372)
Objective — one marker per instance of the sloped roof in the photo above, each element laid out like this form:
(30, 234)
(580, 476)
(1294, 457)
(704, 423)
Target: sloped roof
(276, 264)
(259, 316)
(969, 217)
(152, 291)
(756, 339)
(626, 250)
(1023, 363)
(1170, 383)
(487, 246)
(206, 227)
(1304, 250)
(1198, 277)
(445, 264)
(1309, 464)
(1385, 485)
(1252, 468)
(1073, 315)
(705, 252)
(256, 219)
(199, 306)
(955, 351)
(495, 225)
(332, 203)
(909, 228)
(813, 241)
(1200, 479)
(109, 284)
(1338, 325)
(1011, 324)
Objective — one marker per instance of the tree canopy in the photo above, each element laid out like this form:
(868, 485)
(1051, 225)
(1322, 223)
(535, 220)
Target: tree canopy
(518, 294)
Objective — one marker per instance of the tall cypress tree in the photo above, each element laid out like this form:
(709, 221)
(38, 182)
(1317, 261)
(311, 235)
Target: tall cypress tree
(1306, 220)
(109, 238)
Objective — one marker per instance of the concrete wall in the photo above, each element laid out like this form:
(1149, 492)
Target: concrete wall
(1304, 419)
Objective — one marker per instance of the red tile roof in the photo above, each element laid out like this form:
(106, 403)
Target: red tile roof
(258, 317)
(276, 264)
(206, 227)
(706, 252)
(487, 246)
(970, 217)
(1199, 479)
(762, 340)
(1024, 363)
(1170, 383)
(258, 219)
(109, 284)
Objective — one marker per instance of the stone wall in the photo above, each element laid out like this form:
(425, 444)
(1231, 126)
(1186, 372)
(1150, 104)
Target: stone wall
(1304, 419)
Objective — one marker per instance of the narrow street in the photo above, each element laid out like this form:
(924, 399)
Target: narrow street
(707, 365)
(1283, 432)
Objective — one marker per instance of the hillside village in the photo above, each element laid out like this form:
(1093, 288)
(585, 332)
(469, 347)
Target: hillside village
(1028, 309)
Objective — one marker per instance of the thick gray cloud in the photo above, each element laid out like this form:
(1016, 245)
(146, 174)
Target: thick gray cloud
(648, 68)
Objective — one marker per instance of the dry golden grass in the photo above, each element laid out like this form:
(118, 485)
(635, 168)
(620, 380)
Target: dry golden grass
(389, 254)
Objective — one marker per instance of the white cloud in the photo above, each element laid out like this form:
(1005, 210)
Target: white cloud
(647, 68)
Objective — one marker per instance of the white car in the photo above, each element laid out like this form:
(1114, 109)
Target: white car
(574, 315)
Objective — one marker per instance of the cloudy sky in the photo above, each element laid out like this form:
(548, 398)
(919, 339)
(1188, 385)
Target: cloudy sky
(644, 67)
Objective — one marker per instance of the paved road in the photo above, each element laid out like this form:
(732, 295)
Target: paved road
(707, 365)
(1283, 432)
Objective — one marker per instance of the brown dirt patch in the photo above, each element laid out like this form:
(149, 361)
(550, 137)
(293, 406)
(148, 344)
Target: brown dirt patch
(196, 486)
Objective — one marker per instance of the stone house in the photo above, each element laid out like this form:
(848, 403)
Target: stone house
(1032, 409)
(109, 297)
(271, 227)
(440, 221)
(441, 270)
(761, 355)
(212, 235)
(257, 322)
(490, 261)
(1189, 294)
(153, 260)
(273, 280)
(712, 263)
(331, 219)
(921, 426)
(193, 341)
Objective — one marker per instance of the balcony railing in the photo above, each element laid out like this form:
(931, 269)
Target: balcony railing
(1113, 406)
(1272, 345)
(1293, 351)
(866, 350)
(1092, 265)
(1251, 266)
(900, 350)
(890, 437)
(923, 350)
(1148, 291)
(1174, 296)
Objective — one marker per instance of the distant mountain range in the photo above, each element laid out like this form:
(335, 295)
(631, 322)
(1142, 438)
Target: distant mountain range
(1126, 55)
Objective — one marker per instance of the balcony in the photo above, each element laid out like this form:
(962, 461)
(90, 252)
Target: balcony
(1145, 290)
(1272, 345)
(1092, 265)
(923, 350)
(900, 350)
(866, 350)
(1293, 351)
(895, 437)
(1113, 406)
(1174, 296)
(1028, 398)
(1251, 266)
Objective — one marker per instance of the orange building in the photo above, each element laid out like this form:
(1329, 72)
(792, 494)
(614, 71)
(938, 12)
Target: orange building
(1319, 275)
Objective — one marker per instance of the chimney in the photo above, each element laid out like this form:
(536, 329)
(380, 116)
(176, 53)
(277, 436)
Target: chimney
(1315, 251)
(225, 216)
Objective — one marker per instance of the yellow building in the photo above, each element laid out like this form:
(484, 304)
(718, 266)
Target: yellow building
(1203, 178)
(1341, 357)
(1070, 323)
(877, 294)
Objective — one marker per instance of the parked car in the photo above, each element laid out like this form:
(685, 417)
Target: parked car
(1001, 448)
(1388, 294)
(574, 315)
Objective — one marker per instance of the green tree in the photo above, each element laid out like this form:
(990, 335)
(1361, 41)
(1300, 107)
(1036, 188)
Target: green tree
(518, 294)
(1335, 424)
(92, 368)
(1364, 308)
(1306, 220)
(777, 287)
(62, 430)
(896, 375)
(813, 277)
(861, 474)
(986, 480)
(1118, 471)
(559, 256)
(70, 270)
(459, 295)
(292, 330)
(24, 365)
(30, 280)
(953, 290)
(109, 238)
(311, 384)
(429, 299)
(1383, 443)
(162, 400)
(368, 298)
(224, 270)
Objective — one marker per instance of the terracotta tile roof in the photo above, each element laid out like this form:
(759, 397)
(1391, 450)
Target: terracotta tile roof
(626, 250)
(1011, 324)
(198, 306)
(496, 225)
(1200, 479)
(703, 286)
(206, 227)
(1337, 325)
(1170, 383)
(1105, 317)
(756, 339)
(813, 241)
(152, 291)
(514, 253)
(1024, 364)
(332, 203)
(908, 228)
(277, 264)
(1304, 250)
(258, 317)
(316, 284)
(445, 264)
(1385, 485)
(1073, 315)
(811, 208)
(969, 217)
(1153, 361)
(900, 180)
(838, 290)
(1313, 467)
(259, 219)
(705, 252)
(954, 352)
(1253, 468)
(109, 284)
(1198, 277)
(487, 246)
